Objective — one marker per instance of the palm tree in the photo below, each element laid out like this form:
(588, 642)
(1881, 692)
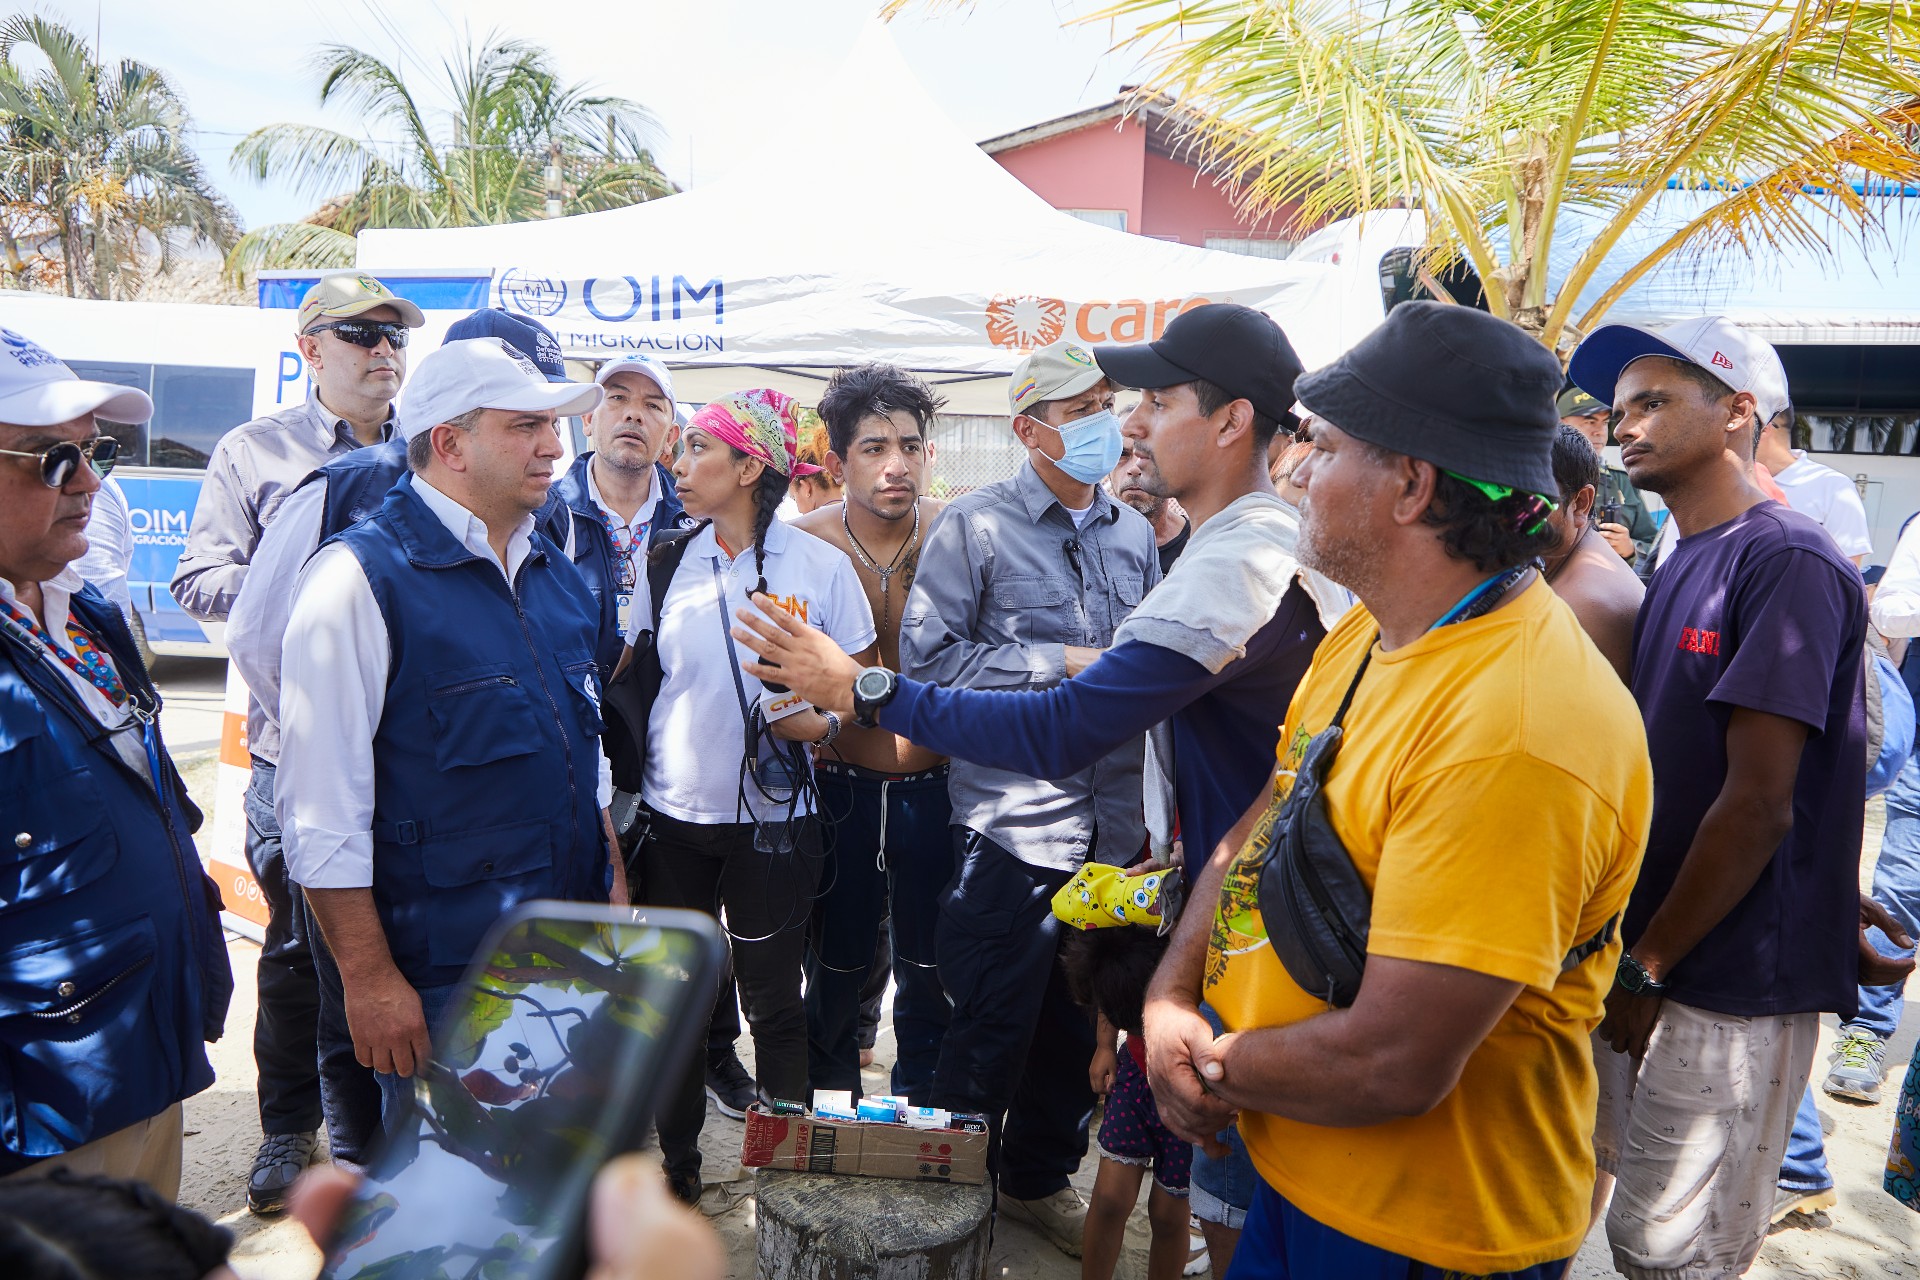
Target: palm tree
(98, 158)
(1497, 116)
(508, 115)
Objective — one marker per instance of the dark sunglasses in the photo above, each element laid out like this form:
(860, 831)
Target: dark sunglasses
(58, 464)
(367, 333)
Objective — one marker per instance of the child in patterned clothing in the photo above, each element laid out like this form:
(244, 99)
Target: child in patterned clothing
(1107, 970)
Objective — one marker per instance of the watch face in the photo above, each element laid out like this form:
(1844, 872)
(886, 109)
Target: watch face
(871, 684)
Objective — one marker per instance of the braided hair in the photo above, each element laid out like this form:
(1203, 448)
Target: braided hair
(768, 492)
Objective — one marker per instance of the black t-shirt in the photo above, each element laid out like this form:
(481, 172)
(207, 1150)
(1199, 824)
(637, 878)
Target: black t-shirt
(1174, 546)
(1760, 612)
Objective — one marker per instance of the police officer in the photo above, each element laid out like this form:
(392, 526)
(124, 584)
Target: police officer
(112, 969)
(439, 706)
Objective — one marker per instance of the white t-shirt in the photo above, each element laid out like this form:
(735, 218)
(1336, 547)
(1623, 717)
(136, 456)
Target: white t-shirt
(109, 545)
(1824, 494)
(696, 737)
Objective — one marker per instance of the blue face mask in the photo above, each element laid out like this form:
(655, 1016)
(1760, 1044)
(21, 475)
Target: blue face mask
(1093, 446)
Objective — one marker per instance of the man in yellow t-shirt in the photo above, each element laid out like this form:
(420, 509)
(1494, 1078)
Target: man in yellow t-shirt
(1493, 792)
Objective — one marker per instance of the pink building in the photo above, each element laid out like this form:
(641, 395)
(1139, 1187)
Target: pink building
(1135, 173)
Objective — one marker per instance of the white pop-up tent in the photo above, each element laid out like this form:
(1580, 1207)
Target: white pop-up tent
(868, 228)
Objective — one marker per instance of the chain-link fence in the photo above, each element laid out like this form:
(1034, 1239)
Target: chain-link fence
(972, 449)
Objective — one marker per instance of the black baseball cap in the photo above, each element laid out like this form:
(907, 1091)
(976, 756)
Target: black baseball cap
(1238, 349)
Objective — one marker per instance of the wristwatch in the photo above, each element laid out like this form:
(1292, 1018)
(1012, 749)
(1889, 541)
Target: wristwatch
(1633, 977)
(873, 689)
(833, 729)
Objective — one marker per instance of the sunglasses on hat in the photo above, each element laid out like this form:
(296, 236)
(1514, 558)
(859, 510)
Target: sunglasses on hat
(58, 464)
(367, 333)
(1528, 511)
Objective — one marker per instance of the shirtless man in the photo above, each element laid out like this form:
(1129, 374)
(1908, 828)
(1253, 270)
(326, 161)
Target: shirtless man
(1583, 569)
(891, 846)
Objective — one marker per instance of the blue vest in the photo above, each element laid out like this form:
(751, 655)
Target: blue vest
(488, 749)
(113, 972)
(593, 548)
(358, 482)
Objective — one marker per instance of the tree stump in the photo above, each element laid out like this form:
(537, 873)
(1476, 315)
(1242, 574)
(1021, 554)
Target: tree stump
(816, 1226)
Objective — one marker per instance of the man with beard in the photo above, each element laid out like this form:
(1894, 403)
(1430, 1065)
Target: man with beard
(1171, 528)
(1429, 1104)
(892, 853)
(1216, 649)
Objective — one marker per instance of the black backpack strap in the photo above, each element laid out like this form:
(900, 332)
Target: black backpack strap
(628, 701)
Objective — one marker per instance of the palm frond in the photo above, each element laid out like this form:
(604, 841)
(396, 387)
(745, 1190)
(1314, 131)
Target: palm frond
(288, 246)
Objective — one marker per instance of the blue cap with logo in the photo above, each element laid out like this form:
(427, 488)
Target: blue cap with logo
(527, 336)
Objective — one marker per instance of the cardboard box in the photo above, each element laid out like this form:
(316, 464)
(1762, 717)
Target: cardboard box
(810, 1145)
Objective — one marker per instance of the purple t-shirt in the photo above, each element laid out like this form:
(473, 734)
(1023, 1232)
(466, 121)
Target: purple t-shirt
(1760, 612)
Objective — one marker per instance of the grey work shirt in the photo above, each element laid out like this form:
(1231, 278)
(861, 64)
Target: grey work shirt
(1005, 584)
(253, 469)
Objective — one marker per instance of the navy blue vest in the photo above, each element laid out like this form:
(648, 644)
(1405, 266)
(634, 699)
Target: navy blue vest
(358, 482)
(593, 548)
(113, 972)
(487, 753)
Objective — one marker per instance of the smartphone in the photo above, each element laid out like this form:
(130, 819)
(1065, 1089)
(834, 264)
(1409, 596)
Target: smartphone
(549, 1061)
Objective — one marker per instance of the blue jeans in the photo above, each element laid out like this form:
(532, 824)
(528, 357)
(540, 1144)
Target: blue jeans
(1896, 886)
(1805, 1168)
(1281, 1242)
(1221, 1189)
(396, 1092)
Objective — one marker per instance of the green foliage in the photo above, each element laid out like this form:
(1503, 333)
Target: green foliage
(1492, 114)
(480, 161)
(96, 156)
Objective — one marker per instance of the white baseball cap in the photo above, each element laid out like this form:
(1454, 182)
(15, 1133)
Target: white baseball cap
(484, 373)
(36, 390)
(645, 366)
(1715, 343)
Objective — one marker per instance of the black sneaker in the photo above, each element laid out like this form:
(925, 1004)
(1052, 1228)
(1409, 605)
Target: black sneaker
(685, 1187)
(730, 1085)
(280, 1160)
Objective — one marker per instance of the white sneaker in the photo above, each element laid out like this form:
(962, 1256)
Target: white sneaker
(1061, 1217)
(1198, 1260)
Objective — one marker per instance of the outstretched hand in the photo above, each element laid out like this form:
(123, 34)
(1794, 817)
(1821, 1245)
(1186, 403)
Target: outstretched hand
(803, 658)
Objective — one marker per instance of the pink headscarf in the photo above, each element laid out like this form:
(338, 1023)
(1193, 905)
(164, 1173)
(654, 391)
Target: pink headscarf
(762, 423)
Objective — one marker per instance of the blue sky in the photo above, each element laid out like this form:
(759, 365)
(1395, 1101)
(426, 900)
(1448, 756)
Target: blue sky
(712, 70)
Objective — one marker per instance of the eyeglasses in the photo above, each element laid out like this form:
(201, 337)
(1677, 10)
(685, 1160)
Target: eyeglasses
(58, 464)
(1529, 513)
(367, 333)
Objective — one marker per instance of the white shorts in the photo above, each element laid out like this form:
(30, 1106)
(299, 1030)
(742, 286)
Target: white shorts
(1695, 1135)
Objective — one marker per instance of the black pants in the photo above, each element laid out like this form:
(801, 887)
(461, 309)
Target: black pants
(300, 1080)
(1018, 1048)
(767, 897)
(891, 847)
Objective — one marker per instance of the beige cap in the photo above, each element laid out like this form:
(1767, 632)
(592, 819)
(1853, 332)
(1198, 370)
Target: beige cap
(350, 293)
(1052, 372)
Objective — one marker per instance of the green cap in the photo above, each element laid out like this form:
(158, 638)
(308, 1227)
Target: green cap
(1575, 403)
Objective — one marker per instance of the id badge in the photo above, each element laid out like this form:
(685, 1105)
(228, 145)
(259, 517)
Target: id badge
(623, 609)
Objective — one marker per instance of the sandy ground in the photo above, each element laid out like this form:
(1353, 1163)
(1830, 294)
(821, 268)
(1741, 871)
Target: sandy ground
(1868, 1235)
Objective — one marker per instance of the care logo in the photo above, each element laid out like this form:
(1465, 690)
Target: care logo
(533, 295)
(1025, 322)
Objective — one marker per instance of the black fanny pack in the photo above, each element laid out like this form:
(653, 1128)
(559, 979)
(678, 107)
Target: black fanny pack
(1316, 908)
(1312, 899)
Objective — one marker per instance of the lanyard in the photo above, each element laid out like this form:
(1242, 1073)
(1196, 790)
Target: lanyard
(1476, 602)
(625, 542)
(86, 660)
